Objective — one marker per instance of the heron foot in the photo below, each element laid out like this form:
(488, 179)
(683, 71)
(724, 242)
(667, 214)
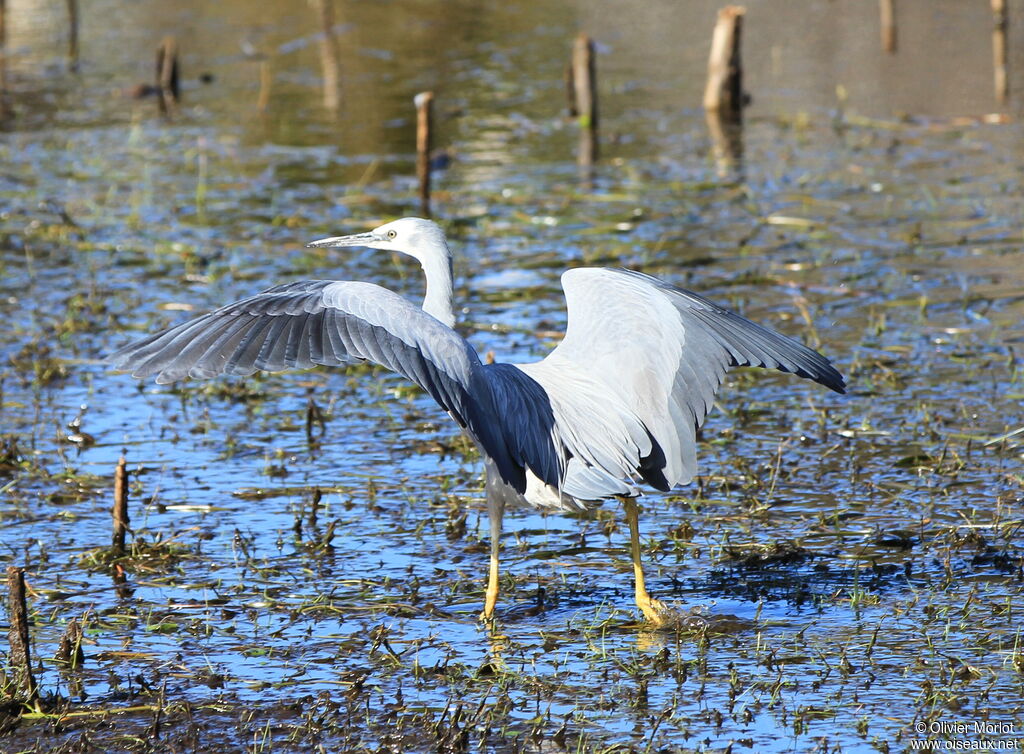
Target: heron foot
(490, 599)
(659, 615)
(657, 612)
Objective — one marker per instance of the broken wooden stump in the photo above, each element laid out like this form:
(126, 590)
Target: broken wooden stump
(723, 92)
(424, 137)
(20, 656)
(120, 511)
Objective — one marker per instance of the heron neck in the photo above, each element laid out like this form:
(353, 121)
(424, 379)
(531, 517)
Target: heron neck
(437, 302)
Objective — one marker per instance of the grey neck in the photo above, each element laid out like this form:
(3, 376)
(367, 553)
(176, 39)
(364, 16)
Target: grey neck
(437, 268)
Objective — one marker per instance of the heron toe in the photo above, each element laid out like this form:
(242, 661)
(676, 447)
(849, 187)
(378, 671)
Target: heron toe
(657, 612)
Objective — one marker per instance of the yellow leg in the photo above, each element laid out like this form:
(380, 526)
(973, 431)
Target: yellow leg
(654, 610)
(491, 598)
(495, 510)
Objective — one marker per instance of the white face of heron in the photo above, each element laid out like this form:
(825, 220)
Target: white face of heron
(414, 236)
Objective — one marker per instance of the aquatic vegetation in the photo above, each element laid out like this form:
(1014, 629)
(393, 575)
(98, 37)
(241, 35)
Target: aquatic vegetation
(307, 552)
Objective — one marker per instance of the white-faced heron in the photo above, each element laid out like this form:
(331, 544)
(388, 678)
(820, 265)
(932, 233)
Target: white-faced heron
(616, 403)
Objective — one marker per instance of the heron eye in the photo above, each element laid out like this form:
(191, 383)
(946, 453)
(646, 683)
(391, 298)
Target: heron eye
(391, 235)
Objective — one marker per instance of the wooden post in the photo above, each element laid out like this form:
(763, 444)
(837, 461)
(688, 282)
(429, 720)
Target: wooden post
(3, 58)
(120, 512)
(73, 34)
(584, 84)
(330, 56)
(570, 91)
(167, 75)
(18, 636)
(424, 125)
(887, 17)
(724, 90)
(1002, 21)
(266, 79)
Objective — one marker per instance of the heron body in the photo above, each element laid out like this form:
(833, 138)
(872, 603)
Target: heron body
(615, 405)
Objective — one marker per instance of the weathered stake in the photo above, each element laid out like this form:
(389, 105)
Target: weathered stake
(570, 91)
(266, 79)
(584, 86)
(330, 56)
(3, 58)
(73, 34)
(120, 512)
(167, 75)
(424, 126)
(999, 30)
(724, 90)
(18, 637)
(887, 17)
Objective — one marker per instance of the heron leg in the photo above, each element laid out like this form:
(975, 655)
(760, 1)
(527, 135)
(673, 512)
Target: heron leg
(496, 511)
(654, 610)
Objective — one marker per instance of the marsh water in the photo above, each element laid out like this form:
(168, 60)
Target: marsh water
(309, 550)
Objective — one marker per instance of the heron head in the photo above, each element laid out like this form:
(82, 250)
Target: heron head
(414, 236)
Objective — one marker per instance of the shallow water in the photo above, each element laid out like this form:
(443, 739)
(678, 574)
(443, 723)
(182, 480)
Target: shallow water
(869, 547)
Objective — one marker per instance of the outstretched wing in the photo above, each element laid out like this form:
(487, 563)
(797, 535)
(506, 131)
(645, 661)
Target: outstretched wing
(660, 354)
(330, 323)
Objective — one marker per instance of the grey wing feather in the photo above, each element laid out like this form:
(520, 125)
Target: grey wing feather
(618, 400)
(324, 322)
(660, 354)
(294, 326)
(748, 343)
